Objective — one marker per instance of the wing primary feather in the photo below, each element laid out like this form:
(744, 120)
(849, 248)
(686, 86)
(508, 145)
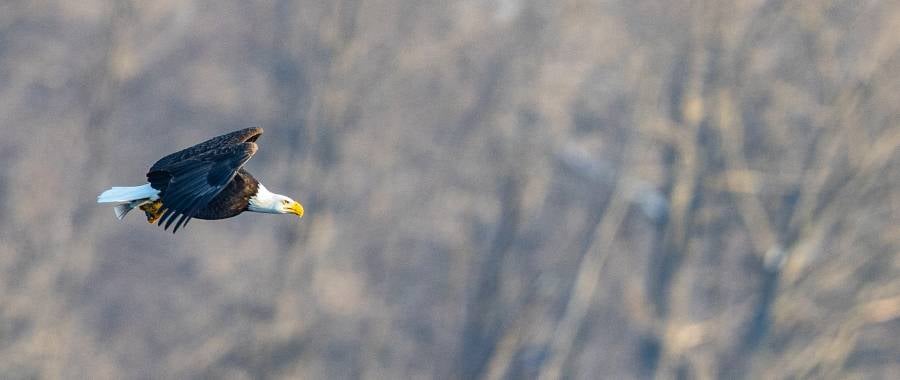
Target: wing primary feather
(183, 219)
(180, 220)
(192, 208)
(171, 220)
(165, 216)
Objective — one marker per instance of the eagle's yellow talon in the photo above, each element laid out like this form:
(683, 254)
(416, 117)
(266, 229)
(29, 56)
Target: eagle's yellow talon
(153, 211)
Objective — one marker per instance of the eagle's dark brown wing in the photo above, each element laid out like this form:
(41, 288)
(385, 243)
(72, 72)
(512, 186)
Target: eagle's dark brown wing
(236, 137)
(189, 184)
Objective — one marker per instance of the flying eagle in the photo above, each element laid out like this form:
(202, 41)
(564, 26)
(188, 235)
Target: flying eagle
(205, 181)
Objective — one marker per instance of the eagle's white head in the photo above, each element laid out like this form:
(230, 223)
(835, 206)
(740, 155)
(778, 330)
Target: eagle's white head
(271, 203)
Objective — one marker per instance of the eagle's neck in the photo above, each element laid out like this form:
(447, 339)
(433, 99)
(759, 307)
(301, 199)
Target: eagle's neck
(265, 201)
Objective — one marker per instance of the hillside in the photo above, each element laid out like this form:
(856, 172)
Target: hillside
(493, 189)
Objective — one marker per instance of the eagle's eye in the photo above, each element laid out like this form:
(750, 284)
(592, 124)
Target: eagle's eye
(284, 202)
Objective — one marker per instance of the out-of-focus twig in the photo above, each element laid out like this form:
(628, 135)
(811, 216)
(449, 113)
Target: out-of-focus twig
(585, 287)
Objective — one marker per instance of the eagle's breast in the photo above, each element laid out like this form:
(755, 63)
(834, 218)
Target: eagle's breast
(233, 199)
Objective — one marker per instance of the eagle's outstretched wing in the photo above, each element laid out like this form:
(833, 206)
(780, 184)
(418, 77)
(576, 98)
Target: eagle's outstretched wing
(233, 138)
(189, 182)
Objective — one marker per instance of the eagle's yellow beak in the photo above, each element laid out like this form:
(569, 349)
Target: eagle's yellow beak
(296, 208)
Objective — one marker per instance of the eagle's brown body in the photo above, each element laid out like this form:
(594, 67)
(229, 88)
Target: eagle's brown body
(233, 200)
(205, 181)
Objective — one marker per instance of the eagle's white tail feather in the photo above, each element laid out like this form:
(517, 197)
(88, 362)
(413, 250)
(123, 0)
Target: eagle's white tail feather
(123, 209)
(128, 194)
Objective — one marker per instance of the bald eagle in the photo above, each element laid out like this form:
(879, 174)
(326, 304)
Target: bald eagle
(205, 181)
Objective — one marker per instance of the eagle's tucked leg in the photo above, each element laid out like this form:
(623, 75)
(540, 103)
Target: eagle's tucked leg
(153, 210)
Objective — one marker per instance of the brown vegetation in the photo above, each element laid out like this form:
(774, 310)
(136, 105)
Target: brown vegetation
(494, 189)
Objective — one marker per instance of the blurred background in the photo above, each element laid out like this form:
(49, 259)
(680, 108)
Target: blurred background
(495, 189)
